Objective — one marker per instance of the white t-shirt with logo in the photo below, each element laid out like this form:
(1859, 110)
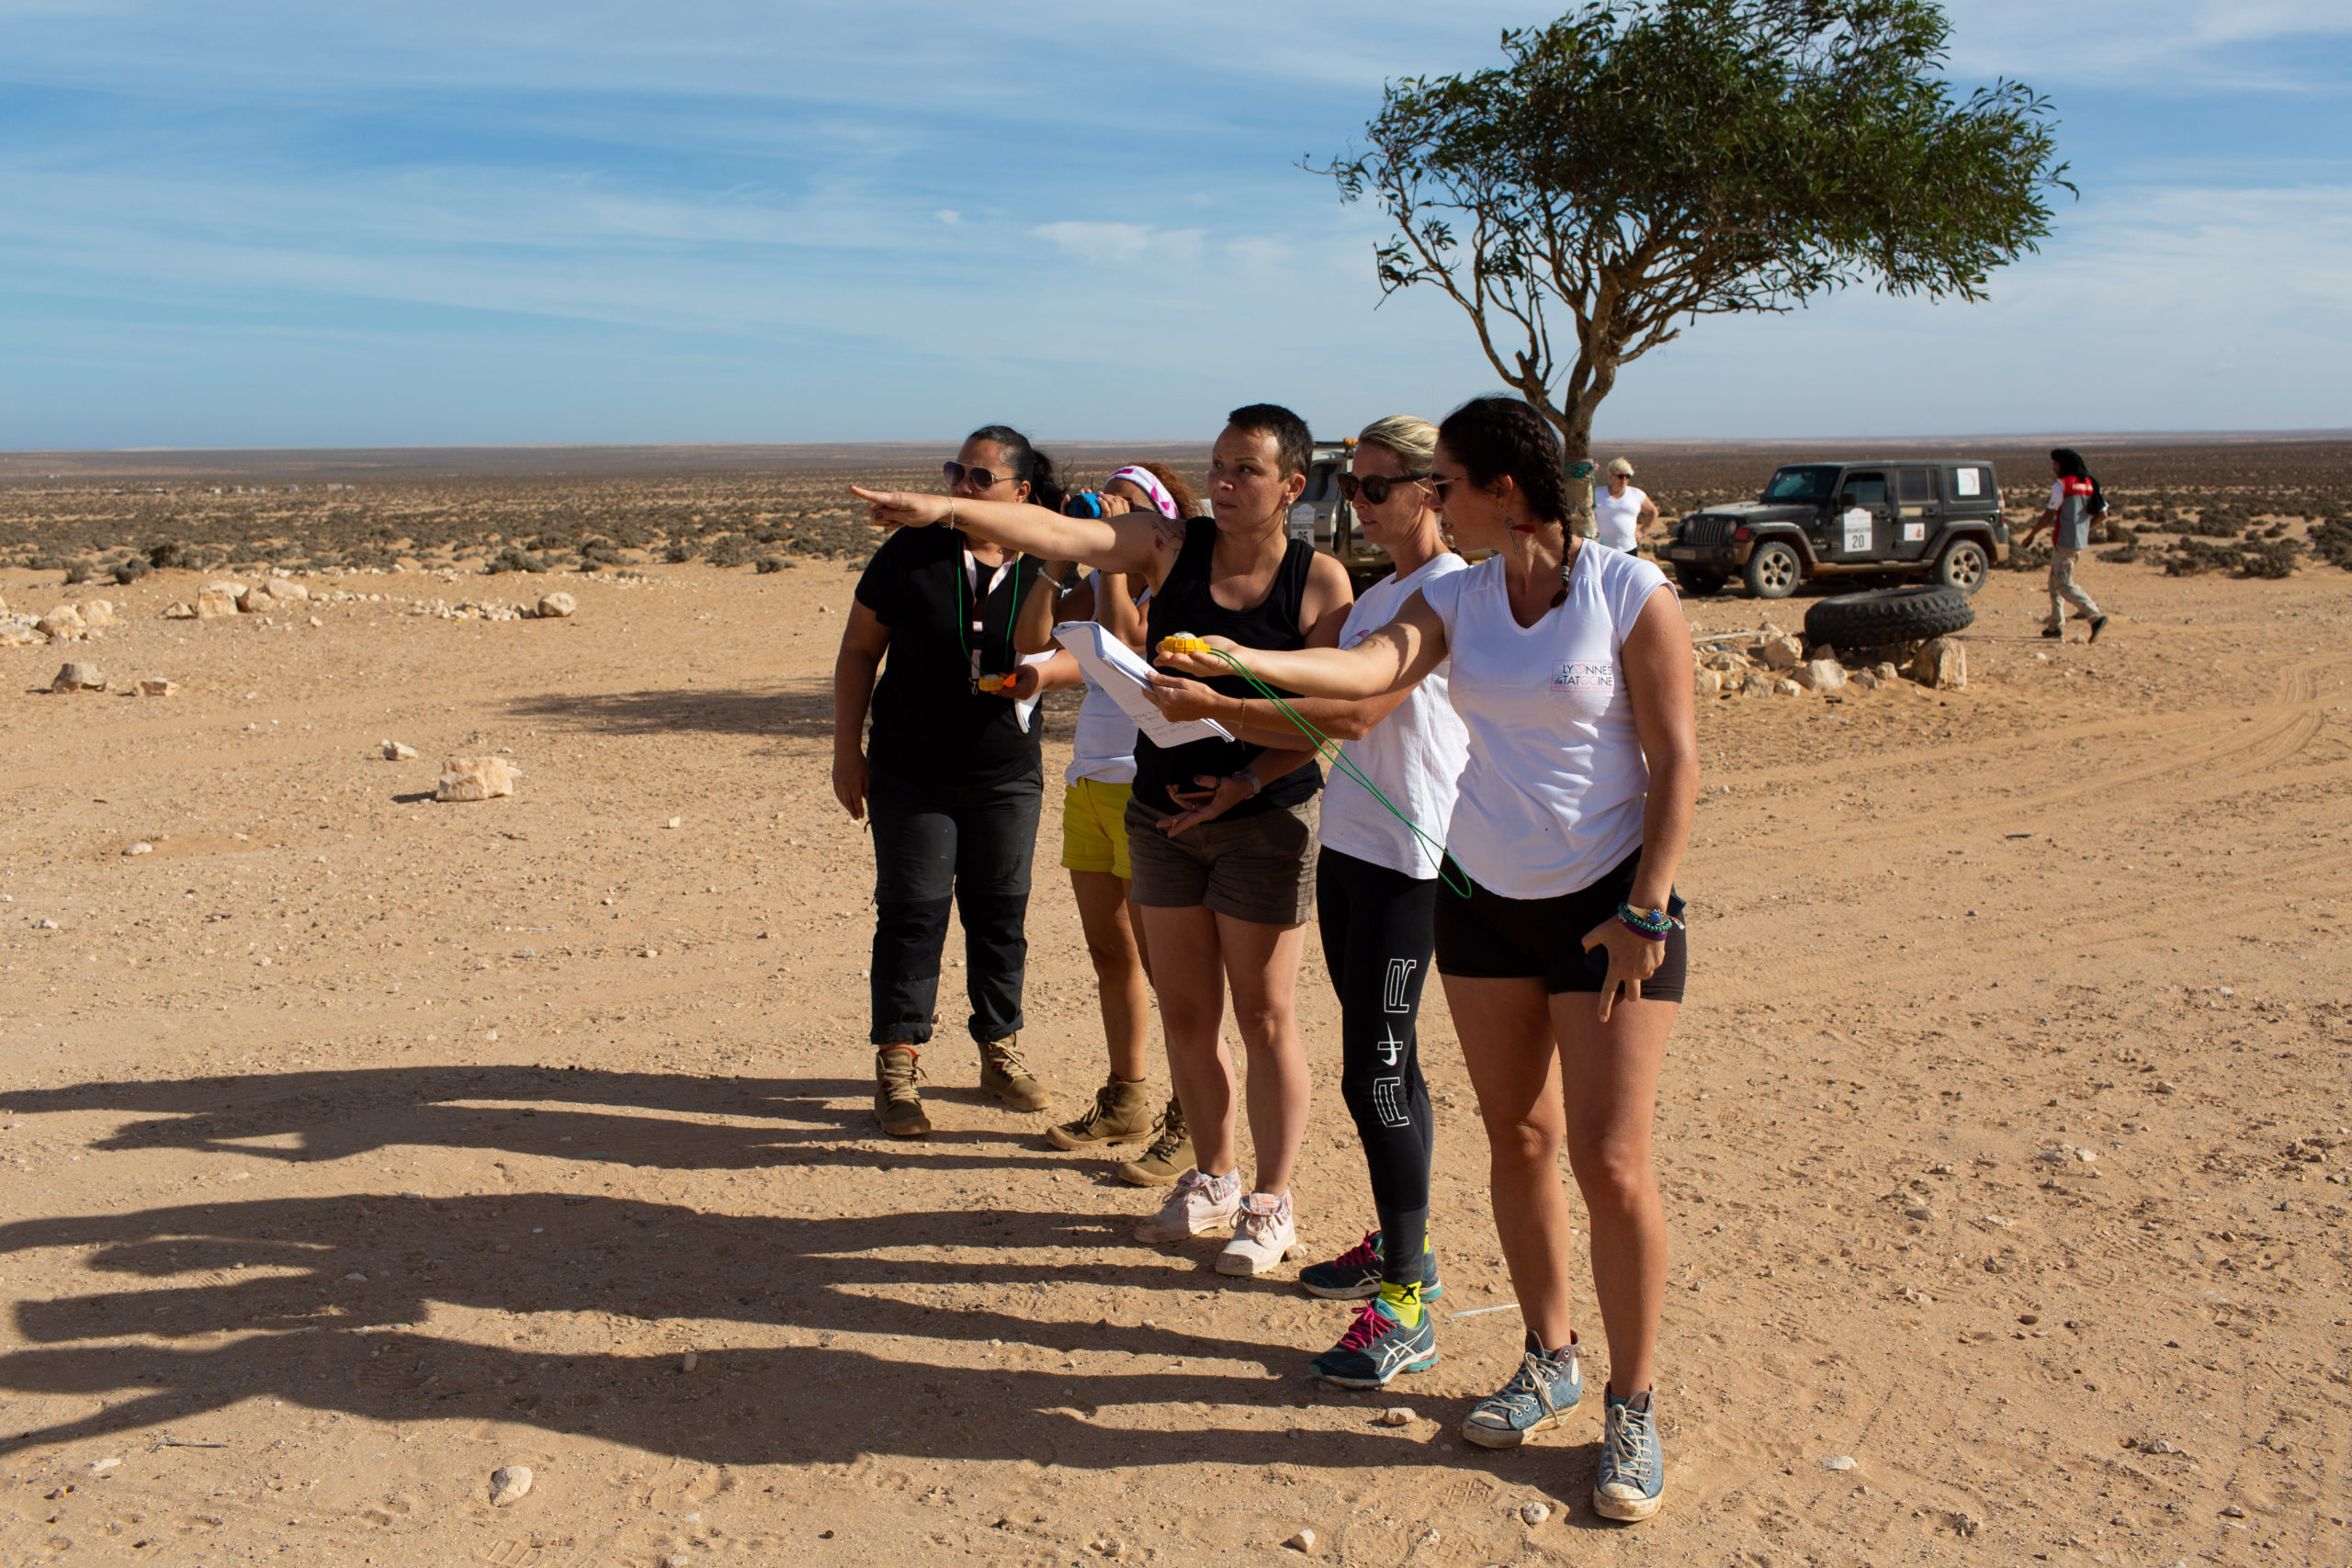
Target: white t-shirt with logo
(1553, 795)
(1619, 518)
(1415, 755)
(1103, 747)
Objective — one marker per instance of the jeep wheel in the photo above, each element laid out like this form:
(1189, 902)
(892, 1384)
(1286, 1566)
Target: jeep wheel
(1889, 616)
(1963, 566)
(1698, 579)
(1773, 571)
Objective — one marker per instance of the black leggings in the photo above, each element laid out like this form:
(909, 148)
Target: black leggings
(1378, 930)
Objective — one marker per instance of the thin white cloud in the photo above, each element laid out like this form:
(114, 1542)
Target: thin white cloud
(1120, 242)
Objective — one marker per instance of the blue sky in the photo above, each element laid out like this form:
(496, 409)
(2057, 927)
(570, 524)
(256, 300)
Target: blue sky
(253, 222)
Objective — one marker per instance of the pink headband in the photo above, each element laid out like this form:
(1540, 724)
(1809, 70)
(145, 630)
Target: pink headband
(1148, 482)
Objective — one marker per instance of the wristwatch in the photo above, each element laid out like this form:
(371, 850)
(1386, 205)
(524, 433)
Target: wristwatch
(1256, 783)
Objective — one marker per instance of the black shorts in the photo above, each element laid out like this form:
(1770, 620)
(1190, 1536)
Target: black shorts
(1489, 937)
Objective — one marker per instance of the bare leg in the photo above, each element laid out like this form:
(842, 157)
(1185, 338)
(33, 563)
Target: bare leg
(1188, 972)
(1610, 1099)
(1261, 964)
(1506, 1027)
(1119, 979)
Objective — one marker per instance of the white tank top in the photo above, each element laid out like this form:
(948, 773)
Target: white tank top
(1415, 755)
(1619, 518)
(1105, 745)
(1554, 794)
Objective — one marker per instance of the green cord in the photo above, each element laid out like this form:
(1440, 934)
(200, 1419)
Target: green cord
(963, 586)
(1449, 871)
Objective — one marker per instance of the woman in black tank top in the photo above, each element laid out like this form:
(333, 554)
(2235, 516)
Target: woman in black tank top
(1184, 604)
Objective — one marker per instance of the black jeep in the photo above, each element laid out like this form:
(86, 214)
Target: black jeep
(1934, 517)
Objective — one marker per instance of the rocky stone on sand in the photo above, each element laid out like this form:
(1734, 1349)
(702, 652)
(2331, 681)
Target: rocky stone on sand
(1709, 683)
(556, 606)
(275, 593)
(1785, 687)
(100, 613)
(1303, 1541)
(79, 678)
(508, 1483)
(396, 752)
(179, 611)
(1756, 684)
(1863, 680)
(141, 848)
(217, 600)
(1821, 675)
(156, 686)
(16, 635)
(64, 624)
(1535, 1513)
(1397, 1416)
(1886, 672)
(1783, 652)
(1941, 663)
(475, 778)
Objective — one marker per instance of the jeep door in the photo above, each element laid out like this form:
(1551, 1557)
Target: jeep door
(1918, 512)
(1862, 525)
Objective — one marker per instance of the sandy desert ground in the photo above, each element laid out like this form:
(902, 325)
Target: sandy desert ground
(353, 1145)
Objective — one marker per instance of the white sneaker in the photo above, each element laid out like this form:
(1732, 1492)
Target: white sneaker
(1262, 1235)
(1199, 1203)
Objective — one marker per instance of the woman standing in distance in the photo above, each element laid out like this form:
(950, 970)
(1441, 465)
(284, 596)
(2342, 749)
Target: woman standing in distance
(1219, 833)
(954, 777)
(1571, 667)
(1375, 901)
(1621, 512)
(1095, 791)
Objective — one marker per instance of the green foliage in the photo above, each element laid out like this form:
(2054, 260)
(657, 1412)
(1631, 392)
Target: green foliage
(1637, 166)
(513, 558)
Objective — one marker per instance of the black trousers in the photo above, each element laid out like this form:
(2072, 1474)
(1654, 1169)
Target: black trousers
(970, 845)
(1378, 928)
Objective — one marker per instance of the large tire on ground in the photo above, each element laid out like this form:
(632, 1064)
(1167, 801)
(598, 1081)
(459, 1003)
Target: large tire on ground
(1773, 571)
(1965, 565)
(1888, 615)
(1698, 579)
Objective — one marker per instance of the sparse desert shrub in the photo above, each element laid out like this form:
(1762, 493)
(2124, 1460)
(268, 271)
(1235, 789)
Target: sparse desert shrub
(599, 552)
(2275, 559)
(2332, 541)
(131, 570)
(164, 554)
(727, 550)
(678, 553)
(79, 572)
(512, 558)
(770, 563)
(2129, 553)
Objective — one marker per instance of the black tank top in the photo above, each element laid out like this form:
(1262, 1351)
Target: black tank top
(1184, 604)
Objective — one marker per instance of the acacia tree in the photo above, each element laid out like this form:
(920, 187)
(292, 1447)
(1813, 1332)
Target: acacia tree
(1635, 166)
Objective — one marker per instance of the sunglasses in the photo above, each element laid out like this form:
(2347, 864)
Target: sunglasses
(982, 479)
(1437, 488)
(1373, 488)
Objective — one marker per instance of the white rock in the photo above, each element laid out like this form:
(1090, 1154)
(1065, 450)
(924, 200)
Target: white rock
(1397, 1416)
(1709, 683)
(1303, 1541)
(1784, 687)
(475, 778)
(1782, 654)
(508, 1483)
(1941, 663)
(141, 848)
(689, 1361)
(64, 624)
(180, 610)
(1821, 675)
(1535, 1513)
(1863, 681)
(558, 606)
(100, 613)
(1756, 684)
(1843, 1462)
(396, 752)
(1887, 674)
(220, 599)
(102, 1466)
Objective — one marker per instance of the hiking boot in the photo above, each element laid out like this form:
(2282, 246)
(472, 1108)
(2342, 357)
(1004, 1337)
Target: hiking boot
(2054, 631)
(1631, 1483)
(1169, 1157)
(1199, 1203)
(1356, 1274)
(1379, 1343)
(1262, 1235)
(1539, 1397)
(2098, 625)
(1005, 1076)
(896, 1104)
(1121, 1115)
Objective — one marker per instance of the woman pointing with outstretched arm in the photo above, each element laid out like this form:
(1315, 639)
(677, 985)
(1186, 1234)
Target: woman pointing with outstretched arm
(1570, 666)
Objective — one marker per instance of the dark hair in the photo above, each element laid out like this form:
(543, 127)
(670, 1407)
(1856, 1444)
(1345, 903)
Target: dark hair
(1494, 436)
(1028, 463)
(1294, 443)
(2070, 463)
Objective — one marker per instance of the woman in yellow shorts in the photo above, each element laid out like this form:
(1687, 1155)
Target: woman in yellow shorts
(1094, 838)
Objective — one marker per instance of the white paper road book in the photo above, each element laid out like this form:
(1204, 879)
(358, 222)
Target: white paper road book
(1122, 675)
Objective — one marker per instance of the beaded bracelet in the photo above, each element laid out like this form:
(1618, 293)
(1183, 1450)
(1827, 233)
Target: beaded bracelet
(1643, 924)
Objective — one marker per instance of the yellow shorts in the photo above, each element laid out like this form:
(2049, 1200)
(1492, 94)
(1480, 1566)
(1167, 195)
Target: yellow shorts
(1094, 827)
